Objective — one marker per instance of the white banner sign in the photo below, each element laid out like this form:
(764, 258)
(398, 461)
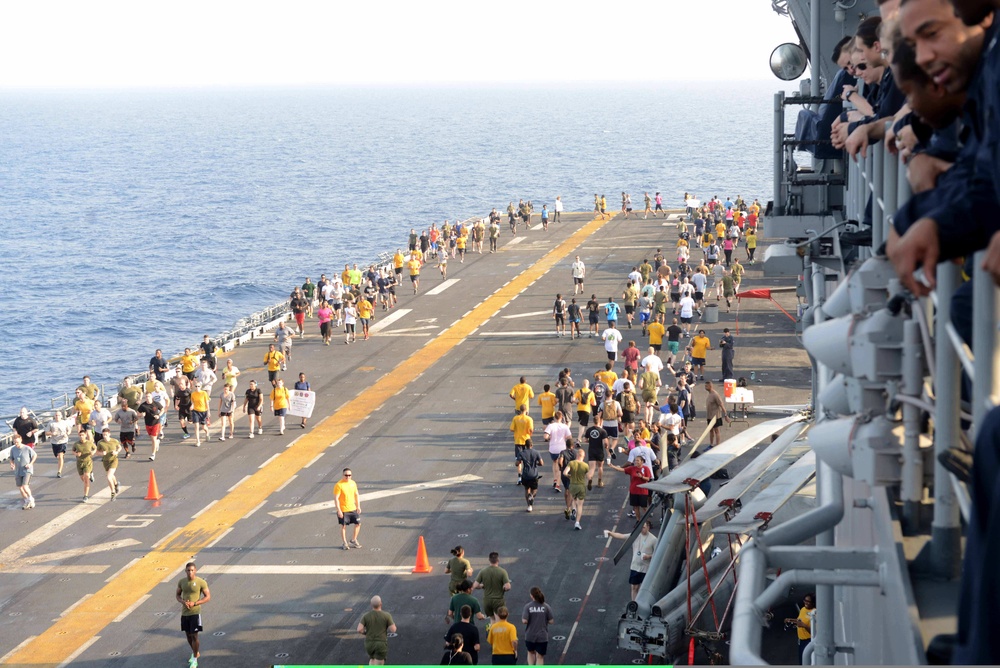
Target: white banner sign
(301, 403)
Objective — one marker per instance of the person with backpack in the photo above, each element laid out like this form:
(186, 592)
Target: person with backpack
(630, 406)
(611, 414)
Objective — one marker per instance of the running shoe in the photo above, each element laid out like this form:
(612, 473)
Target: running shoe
(281, 431)
(600, 483)
(186, 436)
(152, 458)
(573, 515)
(566, 512)
(260, 430)
(86, 499)
(577, 526)
(529, 509)
(251, 434)
(346, 546)
(58, 474)
(113, 495)
(355, 544)
(222, 438)
(31, 502)
(91, 476)
(590, 485)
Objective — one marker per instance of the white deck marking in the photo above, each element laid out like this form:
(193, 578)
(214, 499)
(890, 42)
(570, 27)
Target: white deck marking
(302, 569)
(121, 570)
(444, 286)
(221, 536)
(371, 496)
(21, 547)
(515, 240)
(83, 648)
(314, 460)
(423, 330)
(73, 607)
(286, 484)
(539, 332)
(259, 506)
(269, 460)
(80, 551)
(130, 609)
(382, 323)
(527, 315)
(63, 570)
(241, 481)
(210, 504)
(12, 652)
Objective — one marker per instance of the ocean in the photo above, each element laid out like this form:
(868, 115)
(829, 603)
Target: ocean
(136, 220)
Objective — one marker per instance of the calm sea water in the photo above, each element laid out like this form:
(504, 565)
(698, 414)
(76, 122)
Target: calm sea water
(136, 220)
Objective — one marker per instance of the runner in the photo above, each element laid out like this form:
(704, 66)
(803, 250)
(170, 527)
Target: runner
(26, 427)
(494, 233)
(597, 451)
(274, 360)
(558, 435)
(309, 292)
(325, 316)
(700, 345)
(366, 312)
(350, 322)
(109, 449)
(494, 582)
(522, 427)
(639, 473)
(128, 420)
(279, 404)
(557, 210)
(58, 433)
(502, 637)
(227, 404)
(22, 463)
(579, 271)
(189, 362)
(205, 376)
(253, 401)
(648, 202)
(82, 408)
(182, 403)
(200, 413)
(528, 463)
(545, 217)
(585, 404)
(284, 337)
(414, 266)
(612, 338)
(302, 385)
(592, 318)
(522, 394)
(459, 568)
(348, 502)
(578, 472)
(84, 451)
(152, 411)
(559, 313)
(574, 319)
(208, 348)
(192, 593)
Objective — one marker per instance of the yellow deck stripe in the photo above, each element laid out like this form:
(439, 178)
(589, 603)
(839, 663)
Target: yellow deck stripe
(57, 643)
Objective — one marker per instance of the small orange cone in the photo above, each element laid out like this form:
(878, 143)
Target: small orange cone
(153, 493)
(423, 564)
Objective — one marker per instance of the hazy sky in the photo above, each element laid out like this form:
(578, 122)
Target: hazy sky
(98, 43)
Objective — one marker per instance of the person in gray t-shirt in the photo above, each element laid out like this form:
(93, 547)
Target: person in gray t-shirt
(536, 617)
(22, 463)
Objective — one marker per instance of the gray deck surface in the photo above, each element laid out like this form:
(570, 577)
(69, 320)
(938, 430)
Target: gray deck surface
(451, 421)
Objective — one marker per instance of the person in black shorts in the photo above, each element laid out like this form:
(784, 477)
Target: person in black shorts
(597, 451)
(252, 405)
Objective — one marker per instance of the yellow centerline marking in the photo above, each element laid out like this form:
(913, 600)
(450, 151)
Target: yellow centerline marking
(71, 634)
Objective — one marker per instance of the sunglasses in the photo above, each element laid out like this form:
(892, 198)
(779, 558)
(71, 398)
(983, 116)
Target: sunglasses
(861, 67)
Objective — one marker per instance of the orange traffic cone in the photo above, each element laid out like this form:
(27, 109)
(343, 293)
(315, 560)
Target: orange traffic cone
(153, 493)
(423, 564)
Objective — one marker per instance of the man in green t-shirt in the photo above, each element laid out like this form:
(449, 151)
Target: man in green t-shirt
(494, 581)
(192, 593)
(84, 451)
(577, 471)
(375, 627)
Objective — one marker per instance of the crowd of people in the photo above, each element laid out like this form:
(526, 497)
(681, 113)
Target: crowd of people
(929, 73)
(622, 410)
(617, 415)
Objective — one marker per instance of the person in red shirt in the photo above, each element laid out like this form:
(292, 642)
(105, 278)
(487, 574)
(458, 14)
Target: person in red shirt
(631, 356)
(638, 472)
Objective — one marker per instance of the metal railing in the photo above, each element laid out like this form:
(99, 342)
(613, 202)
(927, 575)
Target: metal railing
(930, 334)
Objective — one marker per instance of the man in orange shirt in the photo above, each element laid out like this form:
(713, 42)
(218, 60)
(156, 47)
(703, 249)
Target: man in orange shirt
(345, 495)
(279, 404)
